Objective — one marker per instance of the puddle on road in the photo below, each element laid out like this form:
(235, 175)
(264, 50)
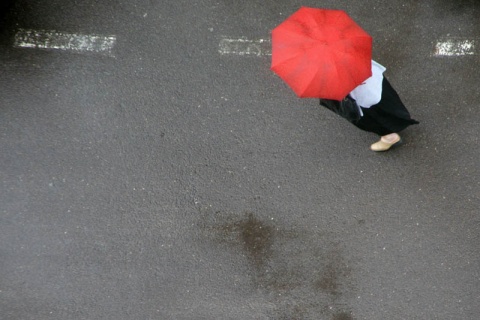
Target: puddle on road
(287, 264)
(257, 238)
(335, 272)
(329, 280)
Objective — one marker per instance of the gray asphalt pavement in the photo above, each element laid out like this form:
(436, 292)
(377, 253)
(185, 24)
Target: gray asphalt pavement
(169, 180)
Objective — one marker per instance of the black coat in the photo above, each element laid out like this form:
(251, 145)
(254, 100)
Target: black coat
(388, 116)
(347, 108)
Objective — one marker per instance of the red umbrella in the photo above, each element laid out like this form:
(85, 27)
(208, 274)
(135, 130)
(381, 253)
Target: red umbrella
(321, 53)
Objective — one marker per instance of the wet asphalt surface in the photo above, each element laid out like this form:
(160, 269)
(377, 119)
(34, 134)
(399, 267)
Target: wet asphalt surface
(173, 182)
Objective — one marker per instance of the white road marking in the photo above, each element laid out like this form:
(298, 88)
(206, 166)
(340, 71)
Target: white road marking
(244, 46)
(455, 47)
(447, 47)
(49, 39)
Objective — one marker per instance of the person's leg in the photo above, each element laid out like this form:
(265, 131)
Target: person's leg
(386, 142)
(386, 118)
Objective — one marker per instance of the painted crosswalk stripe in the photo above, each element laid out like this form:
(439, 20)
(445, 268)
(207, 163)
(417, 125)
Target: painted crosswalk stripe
(455, 47)
(446, 47)
(50, 39)
(243, 46)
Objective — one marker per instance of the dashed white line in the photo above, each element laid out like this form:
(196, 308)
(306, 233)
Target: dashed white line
(455, 47)
(243, 46)
(50, 39)
(446, 47)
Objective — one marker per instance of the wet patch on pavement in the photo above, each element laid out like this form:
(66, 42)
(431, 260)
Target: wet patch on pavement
(255, 236)
(335, 271)
(304, 274)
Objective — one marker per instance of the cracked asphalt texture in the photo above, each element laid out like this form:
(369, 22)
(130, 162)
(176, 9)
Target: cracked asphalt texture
(173, 182)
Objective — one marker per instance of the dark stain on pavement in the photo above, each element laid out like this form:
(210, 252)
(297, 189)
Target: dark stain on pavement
(329, 280)
(283, 265)
(335, 272)
(257, 238)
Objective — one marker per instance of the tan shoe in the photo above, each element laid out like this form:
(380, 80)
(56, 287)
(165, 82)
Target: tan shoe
(384, 146)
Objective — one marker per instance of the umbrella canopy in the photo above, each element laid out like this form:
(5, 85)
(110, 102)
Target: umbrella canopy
(321, 53)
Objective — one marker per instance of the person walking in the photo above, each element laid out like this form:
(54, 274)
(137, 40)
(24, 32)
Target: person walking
(323, 53)
(376, 107)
